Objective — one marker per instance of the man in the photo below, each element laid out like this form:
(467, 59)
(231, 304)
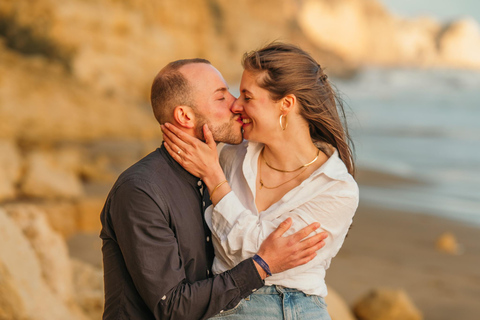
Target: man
(157, 250)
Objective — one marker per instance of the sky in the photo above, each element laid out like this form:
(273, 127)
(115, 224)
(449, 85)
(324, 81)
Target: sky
(443, 10)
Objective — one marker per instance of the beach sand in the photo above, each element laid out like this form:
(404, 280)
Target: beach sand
(395, 249)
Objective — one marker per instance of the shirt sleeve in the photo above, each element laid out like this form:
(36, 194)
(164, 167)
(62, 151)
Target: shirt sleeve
(239, 232)
(151, 254)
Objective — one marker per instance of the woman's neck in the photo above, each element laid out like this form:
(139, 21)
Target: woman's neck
(289, 154)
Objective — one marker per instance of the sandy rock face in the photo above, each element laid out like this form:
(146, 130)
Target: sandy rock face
(460, 44)
(29, 297)
(49, 246)
(119, 46)
(88, 283)
(338, 26)
(10, 169)
(45, 104)
(380, 304)
(88, 214)
(11, 304)
(364, 32)
(61, 216)
(51, 175)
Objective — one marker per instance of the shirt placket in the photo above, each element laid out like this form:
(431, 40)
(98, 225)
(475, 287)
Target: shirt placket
(206, 202)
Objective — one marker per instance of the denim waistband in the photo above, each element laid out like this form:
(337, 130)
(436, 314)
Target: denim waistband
(275, 289)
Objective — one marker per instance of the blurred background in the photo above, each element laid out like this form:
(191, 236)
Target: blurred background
(75, 77)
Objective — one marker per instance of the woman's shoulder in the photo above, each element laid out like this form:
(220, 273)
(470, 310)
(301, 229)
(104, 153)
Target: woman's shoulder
(335, 175)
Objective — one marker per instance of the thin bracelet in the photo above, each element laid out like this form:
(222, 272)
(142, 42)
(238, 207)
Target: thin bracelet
(215, 189)
(262, 264)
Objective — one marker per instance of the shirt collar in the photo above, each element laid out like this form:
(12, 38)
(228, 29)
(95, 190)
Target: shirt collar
(334, 167)
(191, 179)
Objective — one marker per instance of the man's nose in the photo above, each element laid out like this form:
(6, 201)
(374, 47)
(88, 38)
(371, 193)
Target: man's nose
(236, 106)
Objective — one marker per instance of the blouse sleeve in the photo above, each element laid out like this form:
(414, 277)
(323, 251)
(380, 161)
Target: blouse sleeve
(239, 232)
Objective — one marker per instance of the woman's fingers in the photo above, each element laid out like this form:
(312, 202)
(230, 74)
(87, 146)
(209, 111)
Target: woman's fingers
(174, 138)
(175, 155)
(209, 137)
(171, 146)
(182, 136)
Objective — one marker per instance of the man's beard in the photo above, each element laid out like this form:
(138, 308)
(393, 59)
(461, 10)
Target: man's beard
(224, 133)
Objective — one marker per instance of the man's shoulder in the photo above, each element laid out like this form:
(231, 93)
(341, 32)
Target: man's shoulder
(149, 169)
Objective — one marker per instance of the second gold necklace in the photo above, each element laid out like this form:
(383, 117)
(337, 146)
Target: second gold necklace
(262, 185)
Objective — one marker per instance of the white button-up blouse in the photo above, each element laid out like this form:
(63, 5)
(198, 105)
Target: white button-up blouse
(329, 196)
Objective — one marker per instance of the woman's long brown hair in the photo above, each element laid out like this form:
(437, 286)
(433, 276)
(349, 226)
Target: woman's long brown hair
(287, 69)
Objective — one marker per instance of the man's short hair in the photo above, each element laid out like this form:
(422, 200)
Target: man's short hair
(170, 89)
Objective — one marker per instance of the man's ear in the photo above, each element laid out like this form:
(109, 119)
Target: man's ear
(288, 103)
(184, 116)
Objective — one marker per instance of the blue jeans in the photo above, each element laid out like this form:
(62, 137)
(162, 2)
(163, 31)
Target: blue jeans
(277, 302)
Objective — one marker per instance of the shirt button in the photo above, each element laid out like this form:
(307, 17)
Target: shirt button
(164, 297)
(199, 183)
(203, 202)
(254, 290)
(208, 238)
(208, 272)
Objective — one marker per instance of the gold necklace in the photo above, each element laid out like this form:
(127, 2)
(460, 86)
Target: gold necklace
(287, 171)
(262, 185)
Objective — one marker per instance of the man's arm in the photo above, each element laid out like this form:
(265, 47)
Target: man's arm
(151, 254)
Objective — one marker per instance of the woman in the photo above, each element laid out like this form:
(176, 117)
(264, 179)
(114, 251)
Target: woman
(296, 164)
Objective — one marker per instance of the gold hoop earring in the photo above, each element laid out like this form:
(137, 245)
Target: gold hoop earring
(286, 122)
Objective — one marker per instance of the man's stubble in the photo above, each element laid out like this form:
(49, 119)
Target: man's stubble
(226, 132)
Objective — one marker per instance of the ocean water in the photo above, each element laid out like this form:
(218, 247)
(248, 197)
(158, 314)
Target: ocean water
(419, 124)
(445, 10)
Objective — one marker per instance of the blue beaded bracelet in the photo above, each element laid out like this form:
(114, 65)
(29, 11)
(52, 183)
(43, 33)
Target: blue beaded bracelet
(262, 264)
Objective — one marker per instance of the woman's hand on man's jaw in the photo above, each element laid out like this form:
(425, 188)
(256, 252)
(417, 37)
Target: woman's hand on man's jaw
(197, 157)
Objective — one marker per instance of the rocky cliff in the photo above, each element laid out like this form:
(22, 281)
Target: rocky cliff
(362, 32)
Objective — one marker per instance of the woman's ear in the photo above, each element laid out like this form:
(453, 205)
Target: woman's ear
(184, 116)
(288, 103)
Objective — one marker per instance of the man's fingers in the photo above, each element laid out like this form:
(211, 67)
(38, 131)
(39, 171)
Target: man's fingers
(307, 259)
(299, 235)
(314, 247)
(282, 228)
(314, 239)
